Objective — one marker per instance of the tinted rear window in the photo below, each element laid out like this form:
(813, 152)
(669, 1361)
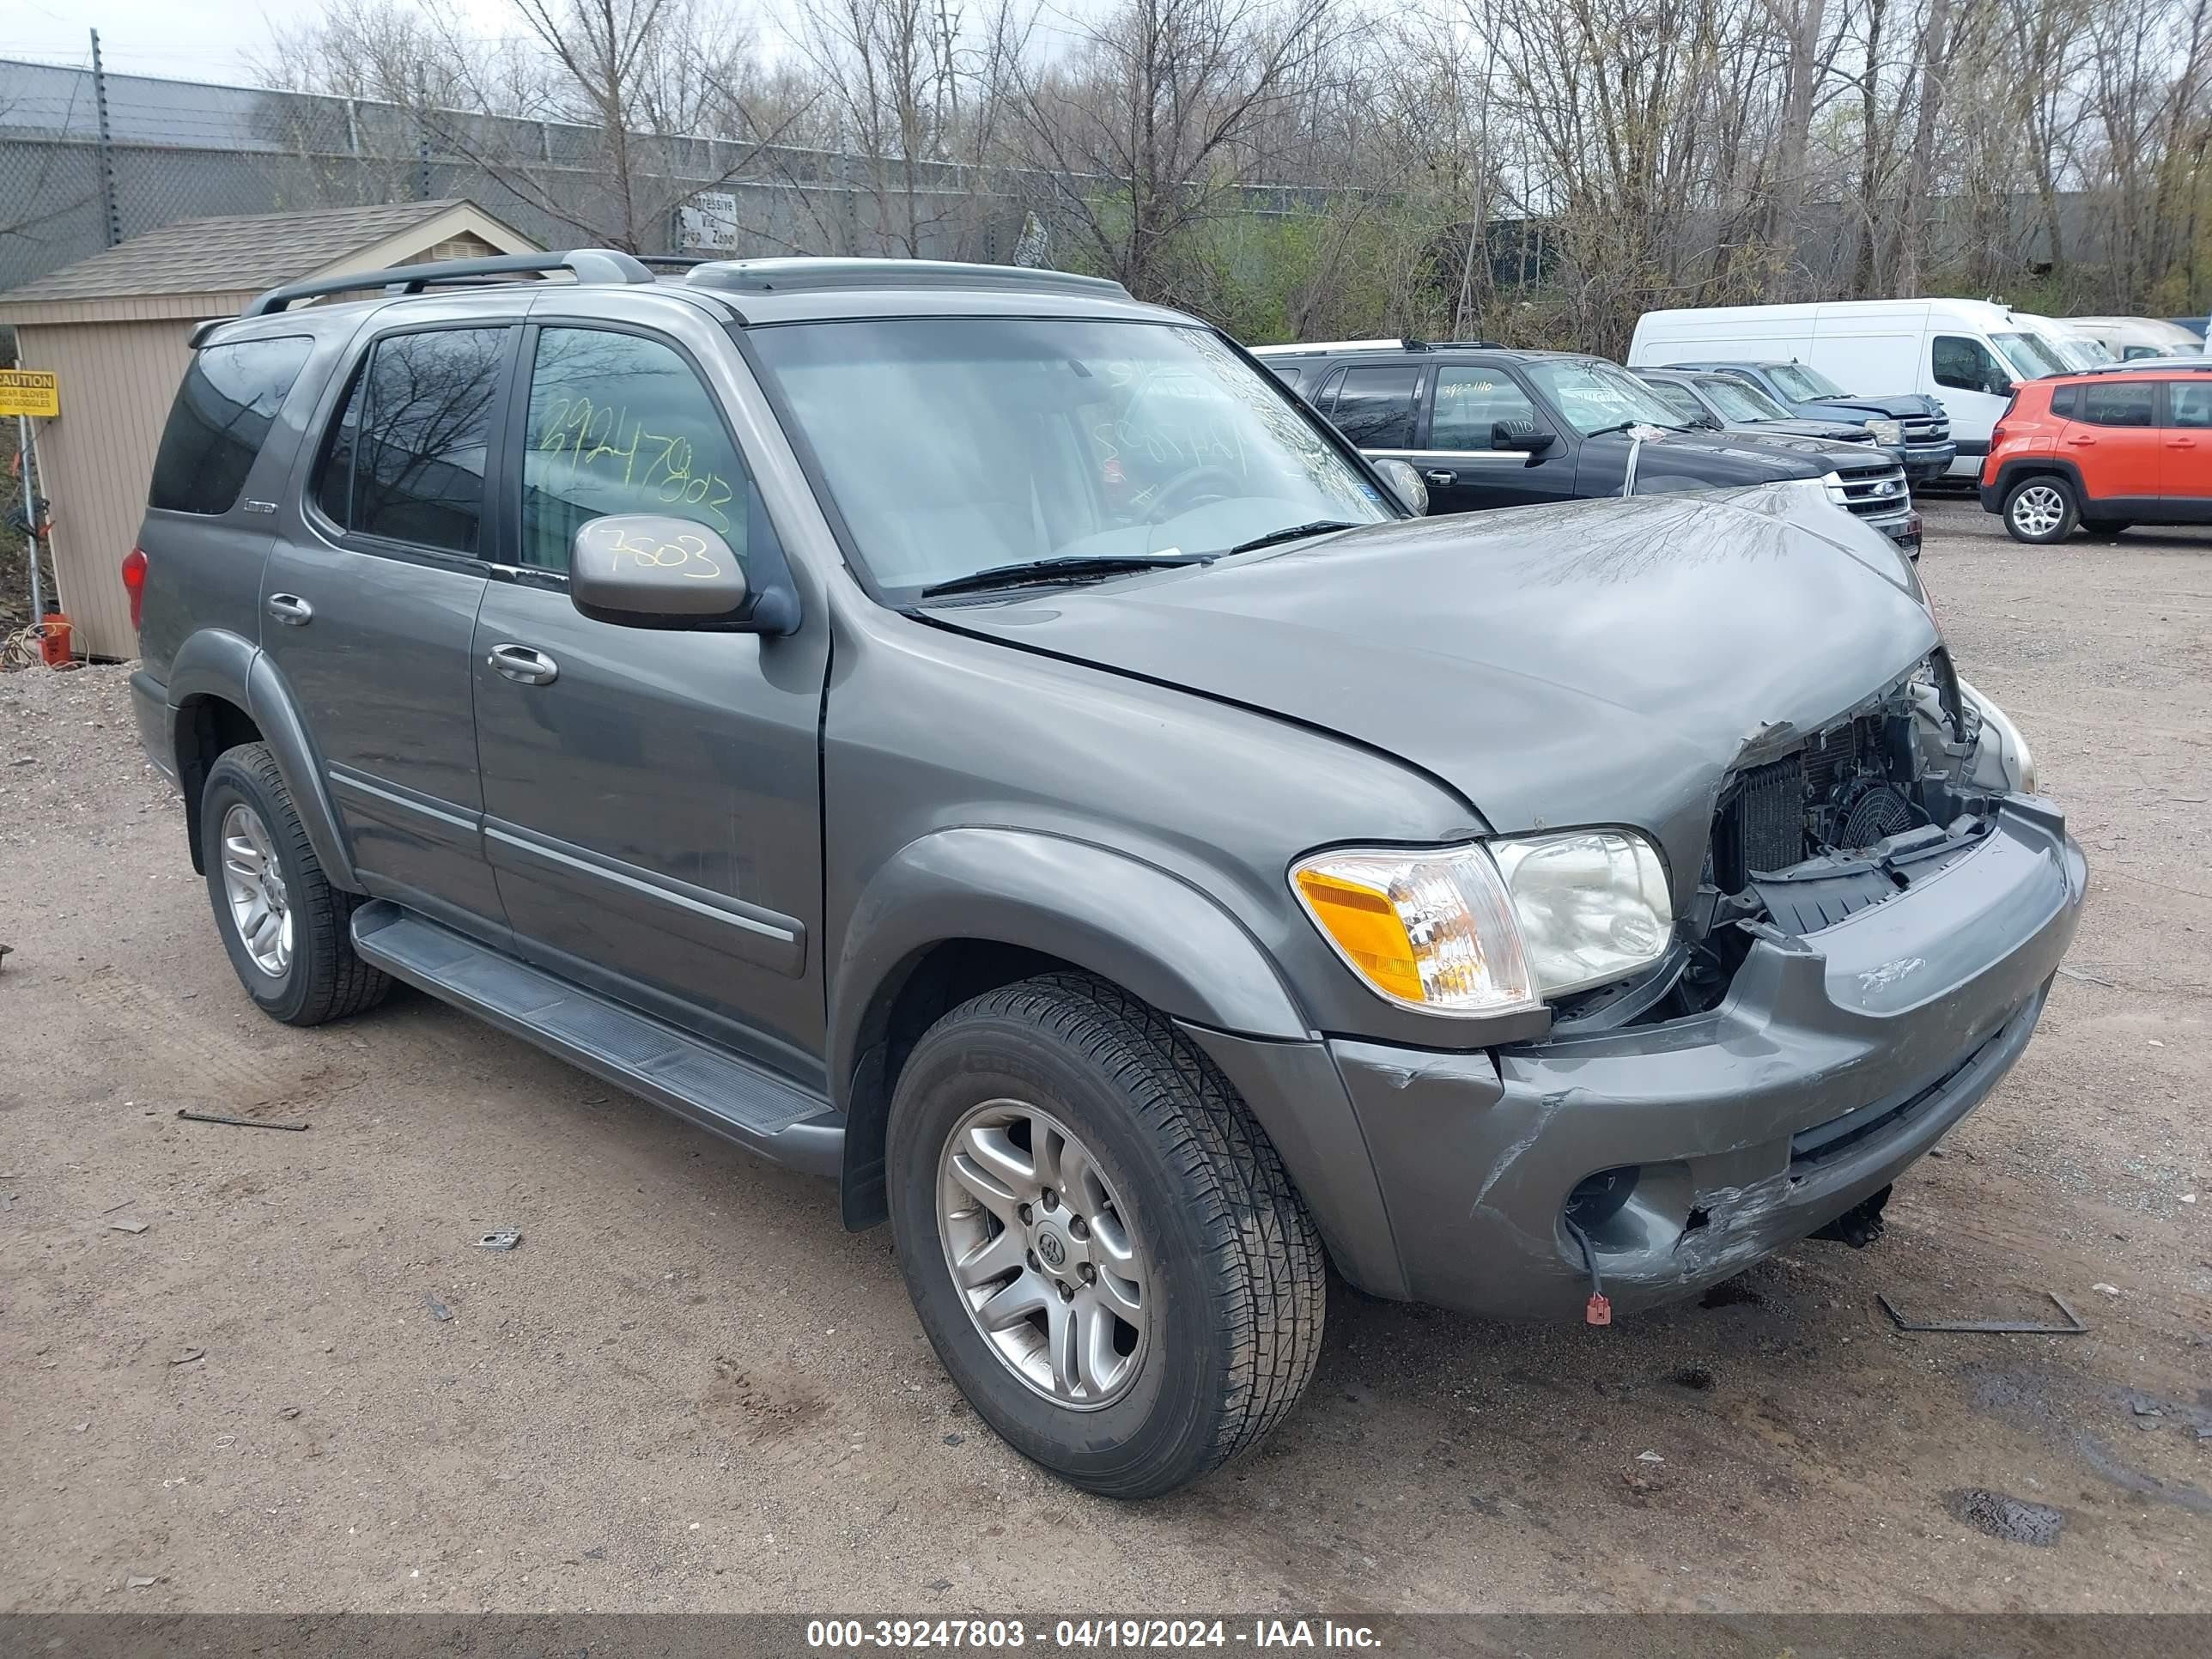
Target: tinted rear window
(404, 459)
(224, 411)
(1374, 407)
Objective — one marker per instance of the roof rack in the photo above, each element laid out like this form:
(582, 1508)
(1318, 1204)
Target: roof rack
(1316, 348)
(809, 274)
(589, 264)
(2156, 365)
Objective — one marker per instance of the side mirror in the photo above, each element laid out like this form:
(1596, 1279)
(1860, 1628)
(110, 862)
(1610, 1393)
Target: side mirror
(1406, 483)
(1524, 436)
(646, 570)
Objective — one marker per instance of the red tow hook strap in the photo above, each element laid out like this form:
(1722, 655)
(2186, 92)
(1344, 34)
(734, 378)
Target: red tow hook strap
(1599, 1311)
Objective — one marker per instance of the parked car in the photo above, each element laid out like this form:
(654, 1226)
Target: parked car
(1709, 401)
(971, 735)
(2127, 338)
(1958, 356)
(1490, 427)
(1923, 432)
(2103, 452)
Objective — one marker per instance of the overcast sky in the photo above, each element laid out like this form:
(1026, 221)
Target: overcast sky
(190, 40)
(212, 40)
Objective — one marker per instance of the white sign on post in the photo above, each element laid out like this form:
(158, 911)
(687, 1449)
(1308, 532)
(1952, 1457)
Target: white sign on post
(710, 221)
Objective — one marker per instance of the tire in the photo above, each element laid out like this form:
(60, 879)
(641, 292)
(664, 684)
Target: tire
(2104, 527)
(2041, 509)
(315, 976)
(1231, 1277)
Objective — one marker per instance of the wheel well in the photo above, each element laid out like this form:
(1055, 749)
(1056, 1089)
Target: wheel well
(206, 727)
(922, 990)
(2017, 473)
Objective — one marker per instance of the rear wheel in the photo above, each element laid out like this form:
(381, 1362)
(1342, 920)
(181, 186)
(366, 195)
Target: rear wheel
(284, 927)
(1101, 1244)
(2041, 510)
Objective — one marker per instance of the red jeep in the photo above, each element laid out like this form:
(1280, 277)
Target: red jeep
(2103, 451)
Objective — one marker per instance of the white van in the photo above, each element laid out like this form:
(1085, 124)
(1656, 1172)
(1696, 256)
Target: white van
(1965, 354)
(2130, 337)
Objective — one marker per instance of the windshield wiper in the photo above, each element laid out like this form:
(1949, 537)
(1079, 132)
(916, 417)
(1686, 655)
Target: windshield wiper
(1291, 532)
(1054, 570)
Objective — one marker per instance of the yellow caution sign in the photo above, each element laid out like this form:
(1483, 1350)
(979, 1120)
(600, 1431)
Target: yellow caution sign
(30, 391)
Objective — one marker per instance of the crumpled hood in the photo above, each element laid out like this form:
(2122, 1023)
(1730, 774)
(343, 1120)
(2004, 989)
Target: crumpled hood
(1601, 661)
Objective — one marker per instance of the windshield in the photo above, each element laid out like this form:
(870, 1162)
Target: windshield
(1741, 401)
(2030, 355)
(1802, 383)
(1598, 396)
(957, 445)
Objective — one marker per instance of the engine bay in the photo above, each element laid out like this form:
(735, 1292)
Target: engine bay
(1809, 828)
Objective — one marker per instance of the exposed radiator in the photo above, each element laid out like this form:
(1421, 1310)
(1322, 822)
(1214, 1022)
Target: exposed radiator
(1770, 814)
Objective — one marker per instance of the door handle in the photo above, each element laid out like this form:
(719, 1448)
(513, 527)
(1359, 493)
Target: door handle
(2181, 443)
(2082, 441)
(1440, 476)
(520, 662)
(291, 610)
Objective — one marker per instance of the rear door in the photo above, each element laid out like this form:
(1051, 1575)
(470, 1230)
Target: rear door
(2185, 464)
(1460, 457)
(369, 600)
(2115, 440)
(652, 798)
(1377, 405)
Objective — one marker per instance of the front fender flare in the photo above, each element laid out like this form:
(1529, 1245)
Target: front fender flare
(1149, 931)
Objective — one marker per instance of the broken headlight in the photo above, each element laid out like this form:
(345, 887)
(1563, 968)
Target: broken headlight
(1887, 432)
(1492, 926)
(1592, 905)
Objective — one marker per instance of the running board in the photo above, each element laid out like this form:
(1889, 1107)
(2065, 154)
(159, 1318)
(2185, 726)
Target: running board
(694, 1080)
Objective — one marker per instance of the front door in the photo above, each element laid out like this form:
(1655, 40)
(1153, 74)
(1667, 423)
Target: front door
(1461, 460)
(2115, 440)
(652, 798)
(1974, 388)
(369, 603)
(2185, 471)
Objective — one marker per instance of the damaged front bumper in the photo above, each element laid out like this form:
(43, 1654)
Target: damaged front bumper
(1836, 1060)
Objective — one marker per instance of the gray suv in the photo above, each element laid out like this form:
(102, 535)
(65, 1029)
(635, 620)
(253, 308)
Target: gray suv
(974, 737)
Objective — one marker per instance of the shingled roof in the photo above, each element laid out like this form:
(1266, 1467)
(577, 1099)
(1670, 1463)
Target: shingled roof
(247, 252)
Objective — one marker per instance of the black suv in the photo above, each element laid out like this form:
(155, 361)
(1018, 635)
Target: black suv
(1487, 426)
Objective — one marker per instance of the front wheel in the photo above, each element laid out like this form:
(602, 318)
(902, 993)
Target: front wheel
(2041, 510)
(1101, 1244)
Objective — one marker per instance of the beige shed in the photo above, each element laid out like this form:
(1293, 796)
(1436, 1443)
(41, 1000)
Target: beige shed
(116, 328)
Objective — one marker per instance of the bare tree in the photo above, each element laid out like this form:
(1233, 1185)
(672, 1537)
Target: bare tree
(1144, 128)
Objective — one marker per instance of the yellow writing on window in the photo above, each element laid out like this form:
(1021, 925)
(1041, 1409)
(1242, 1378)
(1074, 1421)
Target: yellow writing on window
(603, 442)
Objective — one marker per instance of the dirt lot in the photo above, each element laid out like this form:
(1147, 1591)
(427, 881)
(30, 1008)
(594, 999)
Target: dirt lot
(301, 1386)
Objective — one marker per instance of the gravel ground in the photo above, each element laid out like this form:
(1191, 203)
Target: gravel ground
(300, 1386)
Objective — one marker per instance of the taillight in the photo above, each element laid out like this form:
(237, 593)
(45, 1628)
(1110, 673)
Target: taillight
(134, 581)
(1997, 435)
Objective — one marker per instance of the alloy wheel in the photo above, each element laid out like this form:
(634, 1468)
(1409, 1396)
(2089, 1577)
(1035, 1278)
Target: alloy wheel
(2039, 510)
(254, 885)
(1042, 1255)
